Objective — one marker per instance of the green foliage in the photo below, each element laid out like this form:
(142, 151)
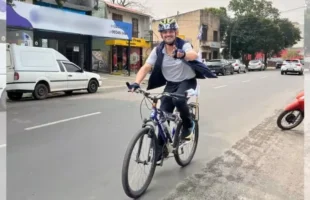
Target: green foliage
(258, 28)
(259, 8)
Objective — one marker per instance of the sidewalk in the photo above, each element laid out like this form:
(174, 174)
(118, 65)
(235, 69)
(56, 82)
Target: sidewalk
(267, 164)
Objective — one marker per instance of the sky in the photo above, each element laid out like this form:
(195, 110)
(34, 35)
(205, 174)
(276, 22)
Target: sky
(165, 8)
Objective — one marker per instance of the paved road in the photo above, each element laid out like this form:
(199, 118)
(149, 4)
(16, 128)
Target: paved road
(81, 159)
(2, 155)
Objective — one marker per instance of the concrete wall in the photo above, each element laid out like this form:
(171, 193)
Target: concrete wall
(144, 21)
(189, 26)
(213, 23)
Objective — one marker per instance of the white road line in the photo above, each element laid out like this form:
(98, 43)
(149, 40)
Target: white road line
(61, 121)
(2, 145)
(263, 77)
(246, 81)
(221, 86)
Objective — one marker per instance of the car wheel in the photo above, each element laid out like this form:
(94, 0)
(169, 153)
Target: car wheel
(224, 72)
(15, 96)
(40, 91)
(282, 72)
(239, 70)
(92, 86)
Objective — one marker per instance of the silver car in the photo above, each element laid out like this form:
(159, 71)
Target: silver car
(238, 65)
(256, 65)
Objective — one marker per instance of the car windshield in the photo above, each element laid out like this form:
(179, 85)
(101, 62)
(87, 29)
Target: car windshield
(292, 61)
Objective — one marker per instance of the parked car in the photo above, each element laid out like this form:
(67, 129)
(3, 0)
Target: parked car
(2, 77)
(256, 65)
(238, 65)
(220, 66)
(293, 66)
(279, 64)
(41, 71)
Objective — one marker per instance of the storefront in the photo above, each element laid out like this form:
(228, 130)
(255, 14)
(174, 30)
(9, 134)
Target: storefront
(119, 50)
(67, 32)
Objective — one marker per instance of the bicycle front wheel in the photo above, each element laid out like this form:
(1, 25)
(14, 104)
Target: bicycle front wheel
(149, 161)
(181, 148)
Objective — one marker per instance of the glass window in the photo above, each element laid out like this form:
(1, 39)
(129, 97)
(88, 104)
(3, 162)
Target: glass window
(61, 66)
(71, 68)
(8, 59)
(20, 37)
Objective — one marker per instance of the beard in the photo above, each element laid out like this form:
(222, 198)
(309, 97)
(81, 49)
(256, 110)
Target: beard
(169, 40)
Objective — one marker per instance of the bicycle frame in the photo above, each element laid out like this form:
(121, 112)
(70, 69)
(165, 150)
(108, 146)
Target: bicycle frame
(154, 116)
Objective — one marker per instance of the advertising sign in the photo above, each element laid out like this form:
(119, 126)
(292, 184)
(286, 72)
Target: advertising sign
(38, 17)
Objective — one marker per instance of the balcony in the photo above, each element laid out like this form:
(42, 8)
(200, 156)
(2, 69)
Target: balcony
(215, 45)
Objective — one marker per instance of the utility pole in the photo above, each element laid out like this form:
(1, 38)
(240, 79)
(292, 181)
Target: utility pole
(151, 39)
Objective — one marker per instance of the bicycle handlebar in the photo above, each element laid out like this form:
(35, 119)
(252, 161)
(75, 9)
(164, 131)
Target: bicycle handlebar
(147, 94)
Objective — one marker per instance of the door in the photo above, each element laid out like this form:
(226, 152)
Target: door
(77, 78)
(58, 80)
(9, 67)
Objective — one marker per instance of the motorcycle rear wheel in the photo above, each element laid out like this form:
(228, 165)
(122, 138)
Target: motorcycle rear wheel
(296, 123)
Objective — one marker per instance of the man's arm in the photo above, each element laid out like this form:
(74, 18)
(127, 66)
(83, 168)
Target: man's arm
(147, 67)
(191, 54)
(144, 70)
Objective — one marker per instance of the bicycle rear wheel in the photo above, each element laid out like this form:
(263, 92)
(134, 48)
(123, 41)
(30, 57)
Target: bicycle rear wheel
(151, 161)
(180, 147)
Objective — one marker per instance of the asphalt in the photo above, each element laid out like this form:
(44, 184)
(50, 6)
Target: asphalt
(307, 138)
(2, 155)
(79, 159)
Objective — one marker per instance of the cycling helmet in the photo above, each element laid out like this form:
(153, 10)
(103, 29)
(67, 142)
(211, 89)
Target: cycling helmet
(167, 24)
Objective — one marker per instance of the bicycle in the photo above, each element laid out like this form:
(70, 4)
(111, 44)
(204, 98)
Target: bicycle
(172, 144)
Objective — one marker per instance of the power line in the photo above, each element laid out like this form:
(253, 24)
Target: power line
(293, 9)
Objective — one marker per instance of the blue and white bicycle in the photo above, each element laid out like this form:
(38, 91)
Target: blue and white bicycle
(159, 125)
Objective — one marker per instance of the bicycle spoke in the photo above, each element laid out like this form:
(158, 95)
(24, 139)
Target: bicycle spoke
(140, 157)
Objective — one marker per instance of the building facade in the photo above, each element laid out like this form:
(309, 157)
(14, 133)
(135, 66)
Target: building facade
(125, 52)
(68, 30)
(200, 28)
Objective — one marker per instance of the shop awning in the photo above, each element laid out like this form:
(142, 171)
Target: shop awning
(135, 42)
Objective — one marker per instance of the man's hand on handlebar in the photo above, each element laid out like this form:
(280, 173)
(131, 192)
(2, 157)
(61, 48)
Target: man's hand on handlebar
(132, 87)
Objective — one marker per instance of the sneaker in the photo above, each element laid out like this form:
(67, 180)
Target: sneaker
(188, 133)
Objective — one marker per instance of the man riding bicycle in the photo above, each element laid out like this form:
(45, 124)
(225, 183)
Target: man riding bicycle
(174, 64)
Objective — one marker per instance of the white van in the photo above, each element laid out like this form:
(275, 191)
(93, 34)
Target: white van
(2, 77)
(41, 71)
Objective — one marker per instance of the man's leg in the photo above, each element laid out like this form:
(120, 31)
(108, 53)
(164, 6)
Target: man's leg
(166, 106)
(182, 107)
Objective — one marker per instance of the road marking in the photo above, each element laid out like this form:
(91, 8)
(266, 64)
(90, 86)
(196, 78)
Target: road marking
(246, 81)
(263, 77)
(2, 146)
(61, 121)
(221, 86)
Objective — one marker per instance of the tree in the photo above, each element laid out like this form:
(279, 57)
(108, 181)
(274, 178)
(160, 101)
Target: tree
(290, 54)
(244, 36)
(271, 38)
(290, 34)
(135, 4)
(224, 19)
(259, 8)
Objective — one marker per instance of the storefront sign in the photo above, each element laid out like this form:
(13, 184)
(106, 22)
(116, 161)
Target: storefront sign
(135, 42)
(30, 16)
